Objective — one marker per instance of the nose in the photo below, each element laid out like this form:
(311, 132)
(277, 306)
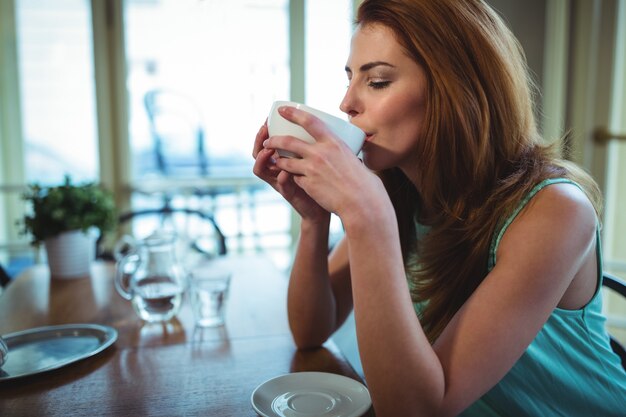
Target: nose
(349, 104)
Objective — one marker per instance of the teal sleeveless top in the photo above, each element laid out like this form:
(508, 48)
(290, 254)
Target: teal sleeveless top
(569, 368)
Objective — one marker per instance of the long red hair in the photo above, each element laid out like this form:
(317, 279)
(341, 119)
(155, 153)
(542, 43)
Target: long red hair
(479, 152)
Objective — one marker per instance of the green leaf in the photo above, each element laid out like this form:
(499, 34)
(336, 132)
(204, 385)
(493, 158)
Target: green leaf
(67, 207)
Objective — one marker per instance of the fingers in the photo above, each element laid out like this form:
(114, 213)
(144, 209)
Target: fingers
(264, 166)
(287, 143)
(313, 125)
(261, 135)
(284, 179)
(294, 166)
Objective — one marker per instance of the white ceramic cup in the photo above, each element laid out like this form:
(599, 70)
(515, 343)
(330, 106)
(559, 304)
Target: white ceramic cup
(346, 131)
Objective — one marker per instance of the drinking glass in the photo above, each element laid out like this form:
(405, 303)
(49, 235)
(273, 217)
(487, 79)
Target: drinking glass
(208, 291)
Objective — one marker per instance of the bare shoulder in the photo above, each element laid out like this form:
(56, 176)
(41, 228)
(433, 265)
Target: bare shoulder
(558, 216)
(564, 203)
(550, 246)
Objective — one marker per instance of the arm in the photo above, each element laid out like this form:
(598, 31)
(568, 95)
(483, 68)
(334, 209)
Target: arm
(541, 255)
(546, 249)
(319, 296)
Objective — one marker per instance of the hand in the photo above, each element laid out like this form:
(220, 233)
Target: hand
(327, 171)
(282, 181)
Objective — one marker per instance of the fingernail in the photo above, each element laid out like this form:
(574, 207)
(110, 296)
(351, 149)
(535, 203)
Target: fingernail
(265, 143)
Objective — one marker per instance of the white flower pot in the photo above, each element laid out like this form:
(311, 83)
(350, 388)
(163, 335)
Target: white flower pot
(70, 254)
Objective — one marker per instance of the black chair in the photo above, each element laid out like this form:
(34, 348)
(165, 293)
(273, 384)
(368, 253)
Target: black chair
(177, 131)
(181, 148)
(197, 231)
(5, 279)
(619, 286)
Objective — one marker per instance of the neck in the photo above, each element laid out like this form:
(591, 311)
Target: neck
(425, 208)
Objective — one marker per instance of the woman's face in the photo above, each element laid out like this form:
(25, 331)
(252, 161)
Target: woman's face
(386, 98)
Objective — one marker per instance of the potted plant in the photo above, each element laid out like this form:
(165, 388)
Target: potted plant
(67, 219)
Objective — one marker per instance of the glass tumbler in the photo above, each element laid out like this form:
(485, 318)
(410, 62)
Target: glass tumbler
(208, 290)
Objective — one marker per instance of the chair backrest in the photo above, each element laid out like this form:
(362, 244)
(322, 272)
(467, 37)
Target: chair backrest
(198, 233)
(17, 256)
(177, 132)
(619, 286)
(5, 279)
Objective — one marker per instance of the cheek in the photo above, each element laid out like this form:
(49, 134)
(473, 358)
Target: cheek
(405, 121)
(404, 104)
(399, 123)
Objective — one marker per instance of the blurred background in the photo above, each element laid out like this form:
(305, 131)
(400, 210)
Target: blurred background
(160, 100)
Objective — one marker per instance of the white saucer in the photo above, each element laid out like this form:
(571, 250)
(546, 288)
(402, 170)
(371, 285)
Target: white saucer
(311, 394)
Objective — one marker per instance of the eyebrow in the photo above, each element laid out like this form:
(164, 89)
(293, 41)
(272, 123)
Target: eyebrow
(370, 65)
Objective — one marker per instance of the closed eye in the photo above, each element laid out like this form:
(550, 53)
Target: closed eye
(377, 85)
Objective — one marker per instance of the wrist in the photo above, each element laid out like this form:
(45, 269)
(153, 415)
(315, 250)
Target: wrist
(314, 238)
(315, 224)
(374, 218)
(367, 208)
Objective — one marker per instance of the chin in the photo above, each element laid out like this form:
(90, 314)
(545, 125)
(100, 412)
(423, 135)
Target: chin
(373, 161)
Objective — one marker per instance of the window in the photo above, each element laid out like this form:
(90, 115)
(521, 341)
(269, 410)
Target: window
(55, 61)
(221, 63)
(202, 76)
(328, 33)
(229, 58)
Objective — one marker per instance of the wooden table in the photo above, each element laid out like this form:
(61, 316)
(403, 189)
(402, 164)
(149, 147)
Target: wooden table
(170, 369)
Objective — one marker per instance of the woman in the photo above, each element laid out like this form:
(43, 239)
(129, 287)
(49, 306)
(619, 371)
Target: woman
(471, 255)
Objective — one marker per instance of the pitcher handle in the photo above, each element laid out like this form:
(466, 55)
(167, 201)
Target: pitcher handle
(122, 276)
(123, 247)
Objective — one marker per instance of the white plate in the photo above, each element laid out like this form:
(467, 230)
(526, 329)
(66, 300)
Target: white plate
(308, 394)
